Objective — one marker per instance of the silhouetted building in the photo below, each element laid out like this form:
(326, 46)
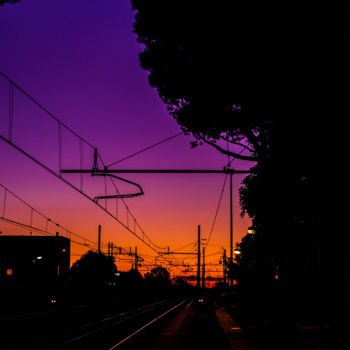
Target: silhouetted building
(34, 264)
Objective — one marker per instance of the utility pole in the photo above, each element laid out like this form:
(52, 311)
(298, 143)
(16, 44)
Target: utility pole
(199, 258)
(224, 265)
(109, 248)
(99, 239)
(203, 269)
(231, 228)
(136, 260)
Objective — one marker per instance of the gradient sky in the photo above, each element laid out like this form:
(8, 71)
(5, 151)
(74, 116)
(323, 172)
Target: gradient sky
(79, 59)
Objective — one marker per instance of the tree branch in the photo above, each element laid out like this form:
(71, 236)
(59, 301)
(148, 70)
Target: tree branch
(238, 144)
(229, 153)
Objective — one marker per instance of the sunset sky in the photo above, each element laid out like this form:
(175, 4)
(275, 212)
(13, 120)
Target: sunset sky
(79, 59)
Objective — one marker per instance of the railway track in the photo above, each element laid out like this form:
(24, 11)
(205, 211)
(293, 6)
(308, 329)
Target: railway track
(109, 332)
(172, 324)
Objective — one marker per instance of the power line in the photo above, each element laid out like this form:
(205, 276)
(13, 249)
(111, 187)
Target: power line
(42, 215)
(217, 210)
(146, 149)
(60, 124)
(36, 229)
(185, 246)
(43, 108)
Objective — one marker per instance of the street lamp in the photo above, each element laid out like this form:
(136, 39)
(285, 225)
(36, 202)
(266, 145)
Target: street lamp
(251, 230)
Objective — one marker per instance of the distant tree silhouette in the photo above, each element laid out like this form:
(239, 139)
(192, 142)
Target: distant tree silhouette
(93, 272)
(159, 277)
(130, 281)
(131, 277)
(181, 283)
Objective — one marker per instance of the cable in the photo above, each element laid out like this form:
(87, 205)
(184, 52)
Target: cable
(36, 229)
(155, 247)
(150, 244)
(43, 108)
(185, 246)
(43, 216)
(146, 149)
(217, 210)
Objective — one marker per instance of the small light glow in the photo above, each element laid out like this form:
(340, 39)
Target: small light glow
(237, 251)
(63, 250)
(251, 230)
(39, 257)
(9, 272)
(53, 301)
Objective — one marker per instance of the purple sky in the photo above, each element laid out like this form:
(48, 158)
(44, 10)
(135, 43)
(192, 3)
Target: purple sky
(79, 59)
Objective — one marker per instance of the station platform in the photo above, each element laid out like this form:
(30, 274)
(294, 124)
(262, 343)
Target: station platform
(201, 325)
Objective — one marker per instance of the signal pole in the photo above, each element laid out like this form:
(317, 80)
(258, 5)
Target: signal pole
(203, 269)
(199, 258)
(231, 228)
(224, 265)
(99, 239)
(136, 260)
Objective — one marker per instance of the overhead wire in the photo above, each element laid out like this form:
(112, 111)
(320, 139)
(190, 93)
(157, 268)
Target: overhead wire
(36, 229)
(91, 245)
(146, 149)
(217, 210)
(45, 217)
(149, 243)
(221, 195)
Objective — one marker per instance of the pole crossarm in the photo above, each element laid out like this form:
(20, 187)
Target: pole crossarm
(154, 171)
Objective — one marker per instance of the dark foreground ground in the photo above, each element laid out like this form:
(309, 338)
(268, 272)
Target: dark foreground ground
(276, 334)
(174, 323)
(184, 322)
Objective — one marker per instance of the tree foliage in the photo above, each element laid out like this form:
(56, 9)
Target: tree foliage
(93, 271)
(159, 276)
(236, 71)
(130, 281)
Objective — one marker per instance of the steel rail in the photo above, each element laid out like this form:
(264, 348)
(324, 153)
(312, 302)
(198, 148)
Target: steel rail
(98, 325)
(146, 325)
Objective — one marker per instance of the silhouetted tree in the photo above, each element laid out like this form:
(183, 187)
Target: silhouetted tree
(93, 272)
(293, 206)
(237, 72)
(181, 283)
(130, 281)
(274, 80)
(159, 277)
